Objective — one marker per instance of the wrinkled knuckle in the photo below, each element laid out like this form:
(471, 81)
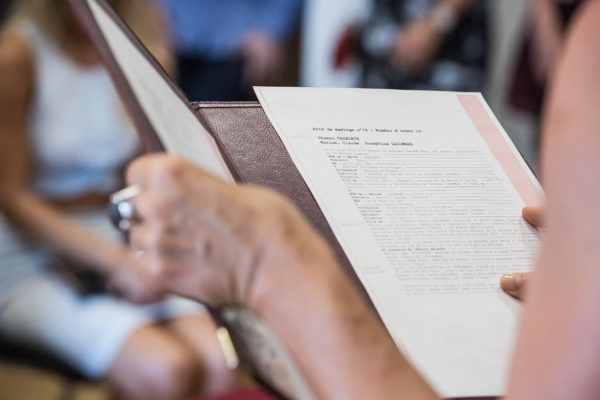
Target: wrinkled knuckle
(172, 168)
(267, 199)
(157, 276)
(157, 241)
(138, 237)
(132, 172)
(279, 222)
(282, 212)
(154, 208)
(157, 270)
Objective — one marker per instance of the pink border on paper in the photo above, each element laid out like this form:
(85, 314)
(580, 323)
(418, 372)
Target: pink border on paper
(505, 155)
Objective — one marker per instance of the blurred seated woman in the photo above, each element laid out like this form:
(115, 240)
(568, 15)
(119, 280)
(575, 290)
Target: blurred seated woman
(64, 139)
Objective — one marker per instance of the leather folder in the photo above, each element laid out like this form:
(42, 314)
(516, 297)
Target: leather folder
(257, 155)
(253, 153)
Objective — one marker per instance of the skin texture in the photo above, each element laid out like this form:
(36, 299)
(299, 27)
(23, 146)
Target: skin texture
(226, 244)
(156, 362)
(279, 256)
(516, 283)
(246, 245)
(557, 355)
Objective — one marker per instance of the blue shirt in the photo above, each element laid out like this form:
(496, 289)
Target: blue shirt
(215, 28)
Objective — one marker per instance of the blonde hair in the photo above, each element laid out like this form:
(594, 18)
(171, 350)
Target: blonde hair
(53, 19)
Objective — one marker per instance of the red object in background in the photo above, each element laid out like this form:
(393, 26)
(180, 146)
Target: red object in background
(244, 394)
(346, 47)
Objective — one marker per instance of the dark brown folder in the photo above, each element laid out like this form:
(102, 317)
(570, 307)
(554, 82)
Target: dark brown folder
(254, 154)
(258, 156)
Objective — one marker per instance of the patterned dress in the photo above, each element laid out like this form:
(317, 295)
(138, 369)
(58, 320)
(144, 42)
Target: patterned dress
(459, 65)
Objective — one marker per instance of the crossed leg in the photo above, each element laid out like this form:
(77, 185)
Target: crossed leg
(171, 361)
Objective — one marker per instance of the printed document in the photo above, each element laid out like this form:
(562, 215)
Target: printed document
(424, 192)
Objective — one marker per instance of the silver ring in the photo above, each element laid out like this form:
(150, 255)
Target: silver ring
(120, 207)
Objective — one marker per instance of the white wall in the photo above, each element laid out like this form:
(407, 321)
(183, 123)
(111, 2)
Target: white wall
(324, 21)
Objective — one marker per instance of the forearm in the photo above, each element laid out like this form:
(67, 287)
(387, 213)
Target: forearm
(246, 245)
(51, 227)
(341, 347)
(446, 14)
(460, 7)
(557, 352)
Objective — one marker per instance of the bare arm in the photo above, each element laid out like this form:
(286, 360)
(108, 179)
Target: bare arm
(459, 6)
(343, 350)
(246, 245)
(419, 41)
(558, 351)
(28, 212)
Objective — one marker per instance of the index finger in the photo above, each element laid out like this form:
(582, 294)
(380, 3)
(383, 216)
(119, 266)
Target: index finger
(534, 215)
(515, 284)
(141, 170)
(165, 172)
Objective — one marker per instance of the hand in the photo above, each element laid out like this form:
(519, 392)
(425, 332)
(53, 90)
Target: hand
(225, 244)
(515, 284)
(216, 242)
(263, 57)
(416, 46)
(534, 216)
(132, 281)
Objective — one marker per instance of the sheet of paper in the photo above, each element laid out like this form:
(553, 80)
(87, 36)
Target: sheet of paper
(174, 122)
(424, 192)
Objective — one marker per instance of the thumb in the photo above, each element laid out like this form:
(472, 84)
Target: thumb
(515, 284)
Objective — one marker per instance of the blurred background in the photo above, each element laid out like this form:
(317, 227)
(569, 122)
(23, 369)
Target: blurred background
(307, 41)
(220, 48)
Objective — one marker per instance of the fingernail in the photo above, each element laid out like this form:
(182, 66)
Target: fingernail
(511, 282)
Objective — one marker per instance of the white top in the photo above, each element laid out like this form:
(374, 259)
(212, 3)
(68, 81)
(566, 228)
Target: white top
(79, 132)
(80, 138)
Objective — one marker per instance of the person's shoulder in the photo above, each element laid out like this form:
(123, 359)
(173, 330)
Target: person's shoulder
(15, 53)
(16, 63)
